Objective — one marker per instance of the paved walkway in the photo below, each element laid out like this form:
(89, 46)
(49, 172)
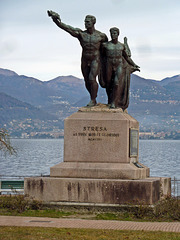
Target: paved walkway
(93, 224)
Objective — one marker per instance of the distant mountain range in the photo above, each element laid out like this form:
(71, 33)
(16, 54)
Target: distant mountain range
(156, 104)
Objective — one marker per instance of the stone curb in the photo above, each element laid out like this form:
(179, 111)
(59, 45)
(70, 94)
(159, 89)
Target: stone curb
(91, 224)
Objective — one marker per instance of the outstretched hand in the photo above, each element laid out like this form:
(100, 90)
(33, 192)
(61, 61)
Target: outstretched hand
(136, 68)
(54, 15)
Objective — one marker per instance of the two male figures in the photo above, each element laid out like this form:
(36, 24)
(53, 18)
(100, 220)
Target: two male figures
(91, 42)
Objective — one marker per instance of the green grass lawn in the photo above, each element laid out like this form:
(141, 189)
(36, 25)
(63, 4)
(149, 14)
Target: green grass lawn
(32, 233)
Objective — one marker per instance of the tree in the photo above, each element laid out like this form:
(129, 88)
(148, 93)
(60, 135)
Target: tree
(5, 144)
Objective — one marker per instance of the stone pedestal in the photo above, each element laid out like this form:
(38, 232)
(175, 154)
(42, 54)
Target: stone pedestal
(100, 144)
(101, 191)
(99, 170)
(100, 163)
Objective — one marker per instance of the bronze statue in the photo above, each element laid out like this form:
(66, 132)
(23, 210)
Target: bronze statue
(90, 41)
(117, 66)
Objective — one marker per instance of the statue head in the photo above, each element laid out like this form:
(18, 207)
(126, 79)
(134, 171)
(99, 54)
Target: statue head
(114, 32)
(90, 21)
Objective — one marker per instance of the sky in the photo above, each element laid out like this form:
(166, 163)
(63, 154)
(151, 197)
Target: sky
(32, 45)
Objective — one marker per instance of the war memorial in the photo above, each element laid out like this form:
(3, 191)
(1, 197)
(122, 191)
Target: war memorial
(101, 141)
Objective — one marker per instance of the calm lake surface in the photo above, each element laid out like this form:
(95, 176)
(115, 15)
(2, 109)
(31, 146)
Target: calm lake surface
(36, 156)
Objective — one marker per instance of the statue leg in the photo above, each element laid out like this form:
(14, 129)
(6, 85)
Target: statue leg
(109, 94)
(93, 85)
(109, 82)
(114, 96)
(117, 87)
(90, 72)
(85, 72)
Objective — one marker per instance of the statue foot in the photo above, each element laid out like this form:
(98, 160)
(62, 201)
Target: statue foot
(92, 103)
(112, 105)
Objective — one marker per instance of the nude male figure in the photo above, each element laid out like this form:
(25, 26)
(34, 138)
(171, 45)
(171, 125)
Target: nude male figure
(115, 79)
(90, 41)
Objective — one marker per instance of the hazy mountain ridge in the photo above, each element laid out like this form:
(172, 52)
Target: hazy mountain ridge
(151, 102)
(72, 89)
(168, 80)
(7, 72)
(39, 93)
(26, 89)
(69, 87)
(21, 118)
(14, 109)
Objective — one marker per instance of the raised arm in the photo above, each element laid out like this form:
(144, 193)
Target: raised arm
(127, 56)
(56, 19)
(127, 49)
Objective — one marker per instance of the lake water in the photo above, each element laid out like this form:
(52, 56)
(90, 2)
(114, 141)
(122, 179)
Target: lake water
(36, 156)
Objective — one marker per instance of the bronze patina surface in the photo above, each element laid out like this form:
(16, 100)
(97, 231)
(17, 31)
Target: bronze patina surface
(110, 61)
(116, 68)
(90, 41)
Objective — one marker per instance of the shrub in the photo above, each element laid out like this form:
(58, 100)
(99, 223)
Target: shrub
(18, 203)
(168, 208)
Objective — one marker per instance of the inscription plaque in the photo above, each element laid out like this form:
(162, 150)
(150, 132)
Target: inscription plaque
(95, 133)
(134, 142)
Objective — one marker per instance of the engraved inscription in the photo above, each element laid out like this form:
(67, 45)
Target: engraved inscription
(95, 133)
(98, 129)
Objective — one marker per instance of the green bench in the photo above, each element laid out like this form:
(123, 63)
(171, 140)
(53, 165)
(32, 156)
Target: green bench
(11, 186)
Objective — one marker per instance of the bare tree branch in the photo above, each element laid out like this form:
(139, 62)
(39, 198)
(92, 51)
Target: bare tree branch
(5, 144)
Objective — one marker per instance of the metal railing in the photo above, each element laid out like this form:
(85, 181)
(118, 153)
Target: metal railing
(11, 186)
(175, 187)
